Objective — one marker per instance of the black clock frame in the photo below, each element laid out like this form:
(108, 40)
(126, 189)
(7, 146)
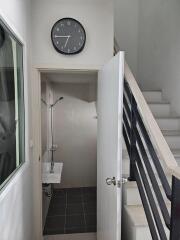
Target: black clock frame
(57, 49)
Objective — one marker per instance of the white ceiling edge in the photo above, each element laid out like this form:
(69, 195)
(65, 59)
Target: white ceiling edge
(71, 76)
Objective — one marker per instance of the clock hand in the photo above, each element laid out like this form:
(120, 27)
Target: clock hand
(67, 41)
(58, 36)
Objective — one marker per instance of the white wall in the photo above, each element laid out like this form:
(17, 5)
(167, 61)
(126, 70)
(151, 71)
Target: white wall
(75, 133)
(97, 18)
(16, 201)
(148, 31)
(44, 118)
(159, 48)
(126, 13)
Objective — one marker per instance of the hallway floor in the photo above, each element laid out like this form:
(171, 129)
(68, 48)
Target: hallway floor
(74, 236)
(72, 210)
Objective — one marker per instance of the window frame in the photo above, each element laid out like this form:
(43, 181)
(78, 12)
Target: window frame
(20, 168)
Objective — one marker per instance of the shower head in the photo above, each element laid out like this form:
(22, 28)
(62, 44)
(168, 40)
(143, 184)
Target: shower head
(59, 99)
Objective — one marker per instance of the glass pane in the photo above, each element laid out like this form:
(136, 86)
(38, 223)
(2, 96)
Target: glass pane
(11, 105)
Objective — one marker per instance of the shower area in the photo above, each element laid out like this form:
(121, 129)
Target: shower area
(69, 151)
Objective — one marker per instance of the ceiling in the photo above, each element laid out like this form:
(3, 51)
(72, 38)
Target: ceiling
(70, 76)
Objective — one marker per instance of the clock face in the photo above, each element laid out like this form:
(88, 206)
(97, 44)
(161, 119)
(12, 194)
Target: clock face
(68, 36)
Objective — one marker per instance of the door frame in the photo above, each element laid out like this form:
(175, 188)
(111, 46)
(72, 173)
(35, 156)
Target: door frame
(37, 162)
(37, 166)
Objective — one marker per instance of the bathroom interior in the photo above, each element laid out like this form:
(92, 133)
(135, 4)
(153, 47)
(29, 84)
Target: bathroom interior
(69, 151)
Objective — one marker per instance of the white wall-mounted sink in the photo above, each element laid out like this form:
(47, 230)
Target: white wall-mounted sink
(54, 177)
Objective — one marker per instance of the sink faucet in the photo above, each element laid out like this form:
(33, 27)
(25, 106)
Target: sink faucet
(52, 167)
(52, 149)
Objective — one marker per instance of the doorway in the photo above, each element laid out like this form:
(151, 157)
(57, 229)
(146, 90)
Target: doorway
(69, 138)
(109, 148)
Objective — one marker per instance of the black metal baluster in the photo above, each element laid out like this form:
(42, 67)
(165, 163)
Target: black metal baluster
(135, 132)
(175, 210)
(132, 139)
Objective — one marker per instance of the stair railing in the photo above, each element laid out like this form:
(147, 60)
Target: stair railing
(150, 160)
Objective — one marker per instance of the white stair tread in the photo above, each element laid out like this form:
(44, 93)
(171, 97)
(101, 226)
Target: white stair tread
(171, 132)
(152, 91)
(169, 117)
(175, 152)
(159, 103)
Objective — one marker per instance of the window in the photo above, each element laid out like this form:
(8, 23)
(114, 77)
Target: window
(12, 116)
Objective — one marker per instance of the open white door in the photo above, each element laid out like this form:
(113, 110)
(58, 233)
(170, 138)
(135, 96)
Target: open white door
(109, 156)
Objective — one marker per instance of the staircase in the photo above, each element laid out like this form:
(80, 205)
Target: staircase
(135, 226)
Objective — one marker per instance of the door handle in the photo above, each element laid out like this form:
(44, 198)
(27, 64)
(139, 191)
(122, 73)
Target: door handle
(112, 181)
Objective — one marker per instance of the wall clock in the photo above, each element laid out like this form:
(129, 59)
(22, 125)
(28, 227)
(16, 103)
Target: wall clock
(68, 36)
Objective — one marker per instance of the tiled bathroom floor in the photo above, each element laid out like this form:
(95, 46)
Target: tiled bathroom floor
(72, 210)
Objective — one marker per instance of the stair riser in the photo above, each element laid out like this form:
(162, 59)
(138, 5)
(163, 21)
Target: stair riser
(153, 96)
(126, 158)
(168, 124)
(132, 197)
(160, 110)
(173, 141)
(126, 167)
(132, 231)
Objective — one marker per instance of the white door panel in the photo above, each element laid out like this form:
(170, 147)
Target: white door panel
(110, 102)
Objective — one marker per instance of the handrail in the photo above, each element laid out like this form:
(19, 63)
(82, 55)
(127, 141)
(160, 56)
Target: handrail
(146, 147)
(152, 126)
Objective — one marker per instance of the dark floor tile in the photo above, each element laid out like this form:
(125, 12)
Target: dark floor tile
(58, 200)
(75, 230)
(90, 208)
(74, 199)
(76, 208)
(56, 210)
(91, 228)
(53, 231)
(67, 209)
(54, 223)
(90, 219)
(89, 190)
(74, 221)
(74, 191)
(89, 198)
(59, 192)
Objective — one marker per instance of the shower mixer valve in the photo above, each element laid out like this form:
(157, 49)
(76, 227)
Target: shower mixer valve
(53, 148)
